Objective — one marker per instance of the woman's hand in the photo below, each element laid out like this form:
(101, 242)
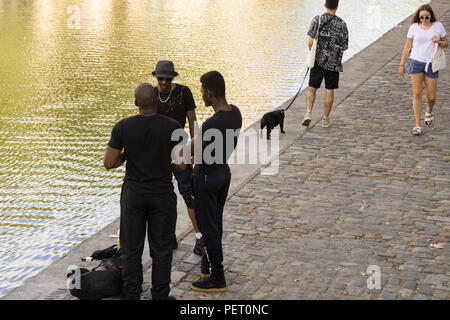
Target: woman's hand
(401, 70)
(435, 39)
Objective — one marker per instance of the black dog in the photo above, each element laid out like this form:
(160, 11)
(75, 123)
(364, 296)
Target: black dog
(271, 120)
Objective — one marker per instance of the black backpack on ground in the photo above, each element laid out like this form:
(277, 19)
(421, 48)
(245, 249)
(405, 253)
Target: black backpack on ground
(103, 281)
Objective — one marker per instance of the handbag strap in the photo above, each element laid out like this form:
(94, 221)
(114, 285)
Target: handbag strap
(436, 34)
(326, 23)
(318, 28)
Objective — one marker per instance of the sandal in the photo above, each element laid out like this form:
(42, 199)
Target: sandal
(428, 118)
(417, 131)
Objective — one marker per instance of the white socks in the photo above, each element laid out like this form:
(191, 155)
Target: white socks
(198, 235)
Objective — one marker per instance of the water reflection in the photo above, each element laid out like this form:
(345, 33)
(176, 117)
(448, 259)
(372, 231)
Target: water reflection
(62, 89)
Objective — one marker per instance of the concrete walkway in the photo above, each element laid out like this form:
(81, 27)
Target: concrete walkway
(363, 192)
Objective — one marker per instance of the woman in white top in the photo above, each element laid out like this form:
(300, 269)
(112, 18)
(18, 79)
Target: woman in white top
(423, 33)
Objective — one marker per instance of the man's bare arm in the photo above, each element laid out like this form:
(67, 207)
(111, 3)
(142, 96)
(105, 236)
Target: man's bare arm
(113, 158)
(192, 119)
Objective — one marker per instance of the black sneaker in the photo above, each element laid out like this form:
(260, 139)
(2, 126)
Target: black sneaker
(168, 298)
(215, 283)
(198, 248)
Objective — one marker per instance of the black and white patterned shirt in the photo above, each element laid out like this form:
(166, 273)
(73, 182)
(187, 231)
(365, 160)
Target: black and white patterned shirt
(333, 41)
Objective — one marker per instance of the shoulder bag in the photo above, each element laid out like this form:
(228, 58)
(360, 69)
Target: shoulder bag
(311, 58)
(439, 61)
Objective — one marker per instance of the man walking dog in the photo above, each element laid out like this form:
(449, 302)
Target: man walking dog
(332, 42)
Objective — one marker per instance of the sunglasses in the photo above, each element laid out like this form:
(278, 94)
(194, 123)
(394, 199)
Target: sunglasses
(167, 79)
(424, 17)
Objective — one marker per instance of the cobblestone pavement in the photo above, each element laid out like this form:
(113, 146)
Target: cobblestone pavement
(362, 192)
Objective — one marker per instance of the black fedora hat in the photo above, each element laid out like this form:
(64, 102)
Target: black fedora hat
(165, 69)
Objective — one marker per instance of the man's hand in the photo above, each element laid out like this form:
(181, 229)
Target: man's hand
(114, 158)
(310, 43)
(178, 167)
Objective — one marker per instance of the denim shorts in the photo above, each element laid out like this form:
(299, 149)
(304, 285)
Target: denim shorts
(416, 67)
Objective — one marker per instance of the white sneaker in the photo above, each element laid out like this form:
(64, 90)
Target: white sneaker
(307, 119)
(326, 123)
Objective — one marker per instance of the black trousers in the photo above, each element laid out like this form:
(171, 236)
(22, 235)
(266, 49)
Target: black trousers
(157, 214)
(210, 193)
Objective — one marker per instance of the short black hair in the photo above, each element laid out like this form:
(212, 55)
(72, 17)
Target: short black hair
(332, 4)
(214, 82)
(145, 95)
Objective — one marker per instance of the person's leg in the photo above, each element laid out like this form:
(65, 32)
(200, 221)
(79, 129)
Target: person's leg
(205, 195)
(329, 98)
(132, 237)
(310, 99)
(161, 230)
(206, 188)
(184, 181)
(191, 213)
(315, 80)
(331, 84)
(417, 86)
(221, 200)
(430, 85)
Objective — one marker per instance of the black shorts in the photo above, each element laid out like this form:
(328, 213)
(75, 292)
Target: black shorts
(318, 73)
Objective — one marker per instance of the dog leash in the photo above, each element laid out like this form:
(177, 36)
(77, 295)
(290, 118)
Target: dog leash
(290, 104)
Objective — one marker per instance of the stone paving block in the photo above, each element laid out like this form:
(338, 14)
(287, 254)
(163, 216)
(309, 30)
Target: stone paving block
(406, 293)
(426, 289)
(440, 294)
(176, 276)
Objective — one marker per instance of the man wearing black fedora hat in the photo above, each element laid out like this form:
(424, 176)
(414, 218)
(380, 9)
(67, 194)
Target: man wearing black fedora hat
(176, 101)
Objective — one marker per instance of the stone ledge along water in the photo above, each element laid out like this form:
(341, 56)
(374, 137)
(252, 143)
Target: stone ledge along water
(50, 283)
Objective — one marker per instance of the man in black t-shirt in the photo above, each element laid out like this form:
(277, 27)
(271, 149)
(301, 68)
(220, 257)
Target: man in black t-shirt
(218, 138)
(147, 195)
(176, 101)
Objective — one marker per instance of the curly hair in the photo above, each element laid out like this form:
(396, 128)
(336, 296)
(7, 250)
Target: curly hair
(424, 7)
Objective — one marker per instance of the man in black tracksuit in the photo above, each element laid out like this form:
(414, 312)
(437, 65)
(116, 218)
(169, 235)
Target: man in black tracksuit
(212, 178)
(147, 199)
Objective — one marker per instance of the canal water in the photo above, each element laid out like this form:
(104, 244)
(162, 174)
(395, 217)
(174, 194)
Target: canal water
(68, 70)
